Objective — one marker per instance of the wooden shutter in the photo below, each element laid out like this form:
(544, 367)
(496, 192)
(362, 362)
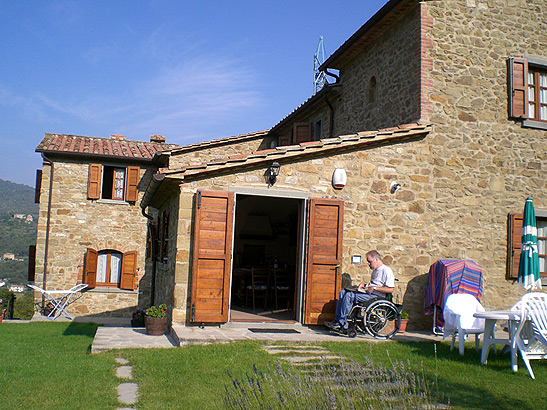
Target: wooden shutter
(324, 255)
(514, 242)
(301, 132)
(38, 185)
(518, 80)
(284, 140)
(90, 268)
(94, 181)
(133, 174)
(129, 270)
(211, 262)
(31, 263)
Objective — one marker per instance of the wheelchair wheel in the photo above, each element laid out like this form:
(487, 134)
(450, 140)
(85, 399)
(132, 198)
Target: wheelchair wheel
(382, 319)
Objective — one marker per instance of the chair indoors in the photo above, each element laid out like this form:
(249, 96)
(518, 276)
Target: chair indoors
(459, 321)
(531, 335)
(282, 287)
(259, 287)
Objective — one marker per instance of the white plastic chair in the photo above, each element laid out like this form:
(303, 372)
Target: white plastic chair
(459, 321)
(531, 335)
(59, 299)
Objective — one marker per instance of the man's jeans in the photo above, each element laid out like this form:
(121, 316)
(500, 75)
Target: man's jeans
(346, 300)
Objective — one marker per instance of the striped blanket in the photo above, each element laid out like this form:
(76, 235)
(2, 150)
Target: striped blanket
(447, 276)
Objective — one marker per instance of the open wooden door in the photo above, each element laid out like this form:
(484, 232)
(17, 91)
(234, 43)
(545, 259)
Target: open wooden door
(213, 226)
(324, 255)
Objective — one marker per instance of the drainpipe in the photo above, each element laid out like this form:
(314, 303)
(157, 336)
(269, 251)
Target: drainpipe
(153, 253)
(48, 224)
(331, 108)
(153, 186)
(331, 119)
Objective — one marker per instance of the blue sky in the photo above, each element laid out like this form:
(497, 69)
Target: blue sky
(189, 70)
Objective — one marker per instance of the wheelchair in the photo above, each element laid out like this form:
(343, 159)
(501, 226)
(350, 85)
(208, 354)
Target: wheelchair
(380, 318)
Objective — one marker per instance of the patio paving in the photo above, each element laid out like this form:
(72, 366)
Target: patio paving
(116, 334)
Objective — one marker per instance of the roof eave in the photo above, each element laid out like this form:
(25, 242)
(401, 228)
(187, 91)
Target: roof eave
(333, 60)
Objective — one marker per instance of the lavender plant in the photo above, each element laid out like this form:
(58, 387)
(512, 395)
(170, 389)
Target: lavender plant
(346, 385)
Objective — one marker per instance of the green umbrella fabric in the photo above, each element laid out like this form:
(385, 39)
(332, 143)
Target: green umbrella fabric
(529, 261)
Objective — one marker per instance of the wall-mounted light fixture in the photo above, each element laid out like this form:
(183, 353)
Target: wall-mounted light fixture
(273, 173)
(394, 187)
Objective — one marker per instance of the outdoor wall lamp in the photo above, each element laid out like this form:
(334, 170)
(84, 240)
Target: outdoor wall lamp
(273, 173)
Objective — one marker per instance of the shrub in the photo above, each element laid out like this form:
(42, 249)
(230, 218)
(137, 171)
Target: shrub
(348, 385)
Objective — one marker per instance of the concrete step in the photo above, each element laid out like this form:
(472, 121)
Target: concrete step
(262, 325)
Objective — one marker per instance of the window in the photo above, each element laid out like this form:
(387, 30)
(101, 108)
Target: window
(528, 90)
(113, 182)
(514, 239)
(537, 94)
(317, 129)
(110, 268)
(542, 245)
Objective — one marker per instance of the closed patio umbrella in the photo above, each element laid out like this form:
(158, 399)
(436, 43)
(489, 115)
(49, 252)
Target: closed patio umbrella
(529, 261)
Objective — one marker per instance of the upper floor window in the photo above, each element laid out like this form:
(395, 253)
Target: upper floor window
(528, 90)
(112, 182)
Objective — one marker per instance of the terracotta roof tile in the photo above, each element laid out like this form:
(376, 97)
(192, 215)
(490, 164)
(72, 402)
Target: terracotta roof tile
(116, 146)
(322, 147)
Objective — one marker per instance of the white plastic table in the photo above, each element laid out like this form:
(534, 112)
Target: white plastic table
(59, 299)
(490, 318)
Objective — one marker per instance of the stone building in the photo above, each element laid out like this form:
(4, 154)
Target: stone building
(90, 227)
(446, 99)
(456, 93)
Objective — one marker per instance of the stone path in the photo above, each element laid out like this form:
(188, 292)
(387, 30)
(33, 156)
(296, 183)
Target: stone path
(300, 355)
(127, 391)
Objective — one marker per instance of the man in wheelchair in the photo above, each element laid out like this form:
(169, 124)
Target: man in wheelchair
(382, 283)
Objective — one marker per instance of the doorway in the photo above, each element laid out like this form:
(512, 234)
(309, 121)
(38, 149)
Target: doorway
(265, 270)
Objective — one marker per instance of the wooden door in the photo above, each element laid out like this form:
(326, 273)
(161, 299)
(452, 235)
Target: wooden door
(324, 255)
(213, 226)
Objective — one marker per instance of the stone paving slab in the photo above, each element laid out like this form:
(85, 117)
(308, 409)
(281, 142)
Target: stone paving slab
(190, 335)
(114, 337)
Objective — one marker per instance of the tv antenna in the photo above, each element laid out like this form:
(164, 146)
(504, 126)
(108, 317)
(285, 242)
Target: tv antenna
(319, 78)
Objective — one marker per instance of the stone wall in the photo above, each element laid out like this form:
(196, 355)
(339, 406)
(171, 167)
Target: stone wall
(77, 223)
(379, 86)
(459, 183)
(483, 164)
(374, 219)
(206, 153)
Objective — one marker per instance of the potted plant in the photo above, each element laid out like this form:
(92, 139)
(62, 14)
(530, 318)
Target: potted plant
(155, 320)
(137, 319)
(404, 322)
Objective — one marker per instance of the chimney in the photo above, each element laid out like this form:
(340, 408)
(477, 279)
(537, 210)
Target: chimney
(160, 139)
(117, 137)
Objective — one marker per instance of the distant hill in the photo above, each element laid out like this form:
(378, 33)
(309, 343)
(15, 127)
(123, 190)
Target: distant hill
(17, 199)
(15, 234)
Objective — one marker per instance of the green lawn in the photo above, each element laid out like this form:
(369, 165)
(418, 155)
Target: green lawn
(48, 366)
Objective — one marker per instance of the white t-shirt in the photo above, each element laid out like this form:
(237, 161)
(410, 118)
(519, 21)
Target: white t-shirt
(382, 277)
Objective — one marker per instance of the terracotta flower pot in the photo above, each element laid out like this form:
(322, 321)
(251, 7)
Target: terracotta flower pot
(402, 328)
(155, 326)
